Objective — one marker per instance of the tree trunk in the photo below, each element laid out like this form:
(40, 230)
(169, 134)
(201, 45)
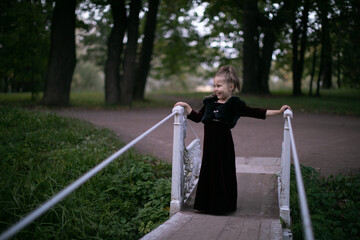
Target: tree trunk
(256, 68)
(250, 48)
(115, 49)
(62, 57)
(146, 50)
(312, 72)
(127, 87)
(319, 77)
(338, 69)
(326, 55)
(266, 58)
(299, 57)
(295, 59)
(5, 87)
(303, 41)
(327, 68)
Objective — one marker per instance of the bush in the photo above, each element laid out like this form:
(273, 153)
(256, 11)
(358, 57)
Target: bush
(41, 153)
(333, 204)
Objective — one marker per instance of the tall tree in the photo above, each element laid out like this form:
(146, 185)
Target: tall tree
(146, 50)
(177, 50)
(62, 57)
(115, 49)
(266, 57)
(299, 30)
(325, 75)
(312, 73)
(24, 45)
(251, 47)
(261, 30)
(126, 68)
(127, 84)
(348, 37)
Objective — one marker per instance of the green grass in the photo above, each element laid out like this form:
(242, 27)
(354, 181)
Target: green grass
(333, 204)
(41, 153)
(78, 99)
(336, 101)
(343, 102)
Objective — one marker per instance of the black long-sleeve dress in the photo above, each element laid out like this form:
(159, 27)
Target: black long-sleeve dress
(217, 187)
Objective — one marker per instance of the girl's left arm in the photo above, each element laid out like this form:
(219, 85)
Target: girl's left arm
(270, 113)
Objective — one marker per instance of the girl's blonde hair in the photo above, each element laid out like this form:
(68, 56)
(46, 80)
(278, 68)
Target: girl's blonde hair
(230, 75)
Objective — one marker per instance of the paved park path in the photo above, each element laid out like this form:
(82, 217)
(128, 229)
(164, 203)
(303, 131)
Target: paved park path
(329, 143)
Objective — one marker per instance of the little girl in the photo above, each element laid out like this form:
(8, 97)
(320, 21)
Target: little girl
(217, 187)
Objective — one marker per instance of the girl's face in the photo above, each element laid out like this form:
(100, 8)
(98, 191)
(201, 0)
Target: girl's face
(222, 89)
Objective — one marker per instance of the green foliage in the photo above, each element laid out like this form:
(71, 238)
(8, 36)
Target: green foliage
(24, 45)
(41, 153)
(333, 204)
(177, 47)
(345, 34)
(87, 77)
(95, 31)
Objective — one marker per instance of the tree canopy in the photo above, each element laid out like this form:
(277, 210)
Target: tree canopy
(24, 45)
(306, 41)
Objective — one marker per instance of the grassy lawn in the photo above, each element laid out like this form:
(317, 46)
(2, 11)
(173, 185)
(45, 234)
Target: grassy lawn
(41, 153)
(89, 100)
(344, 101)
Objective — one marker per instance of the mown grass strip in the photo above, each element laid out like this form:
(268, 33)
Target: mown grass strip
(334, 101)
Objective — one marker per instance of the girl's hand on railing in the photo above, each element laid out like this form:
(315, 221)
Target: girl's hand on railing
(186, 106)
(270, 113)
(284, 107)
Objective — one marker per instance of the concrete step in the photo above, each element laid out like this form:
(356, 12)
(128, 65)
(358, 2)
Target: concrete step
(187, 225)
(265, 165)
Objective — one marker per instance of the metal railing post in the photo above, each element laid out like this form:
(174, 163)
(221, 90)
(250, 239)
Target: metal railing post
(284, 185)
(177, 162)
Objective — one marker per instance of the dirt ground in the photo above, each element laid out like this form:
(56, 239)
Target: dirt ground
(329, 143)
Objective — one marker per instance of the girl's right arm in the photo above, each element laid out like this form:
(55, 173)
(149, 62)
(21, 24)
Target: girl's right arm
(186, 106)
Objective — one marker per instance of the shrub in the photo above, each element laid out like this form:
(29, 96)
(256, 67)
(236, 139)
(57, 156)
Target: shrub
(333, 204)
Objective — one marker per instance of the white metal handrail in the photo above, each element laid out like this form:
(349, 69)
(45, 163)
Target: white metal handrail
(284, 183)
(72, 187)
